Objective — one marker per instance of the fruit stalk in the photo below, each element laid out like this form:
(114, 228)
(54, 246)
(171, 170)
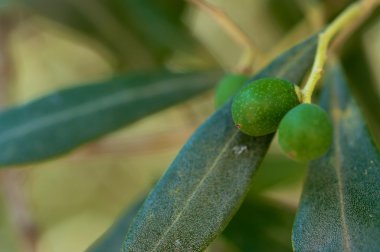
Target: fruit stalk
(349, 15)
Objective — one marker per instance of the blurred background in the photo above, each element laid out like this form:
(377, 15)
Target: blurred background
(65, 204)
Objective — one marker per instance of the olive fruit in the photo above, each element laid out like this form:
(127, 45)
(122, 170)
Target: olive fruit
(227, 87)
(259, 106)
(305, 132)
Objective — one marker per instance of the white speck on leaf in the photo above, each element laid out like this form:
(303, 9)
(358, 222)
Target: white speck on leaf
(239, 149)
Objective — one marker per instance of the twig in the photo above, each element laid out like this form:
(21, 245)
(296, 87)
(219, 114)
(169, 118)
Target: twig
(313, 13)
(250, 51)
(342, 37)
(348, 16)
(313, 22)
(117, 34)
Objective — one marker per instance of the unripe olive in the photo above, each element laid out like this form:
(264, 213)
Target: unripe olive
(258, 107)
(227, 87)
(305, 132)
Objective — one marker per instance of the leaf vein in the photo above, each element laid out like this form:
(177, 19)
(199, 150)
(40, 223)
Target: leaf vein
(338, 171)
(90, 107)
(197, 188)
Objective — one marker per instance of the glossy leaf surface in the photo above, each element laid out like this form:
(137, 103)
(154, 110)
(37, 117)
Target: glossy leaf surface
(66, 119)
(208, 180)
(340, 205)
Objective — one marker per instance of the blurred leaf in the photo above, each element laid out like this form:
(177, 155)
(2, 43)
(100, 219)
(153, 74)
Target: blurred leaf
(261, 225)
(277, 170)
(113, 238)
(206, 183)
(340, 205)
(158, 21)
(137, 31)
(4, 4)
(286, 13)
(66, 119)
(361, 80)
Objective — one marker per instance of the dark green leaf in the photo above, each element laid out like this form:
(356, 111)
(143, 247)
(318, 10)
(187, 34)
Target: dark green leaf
(340, 205)
(61, 121)
(261, 225)
(208, 180)
(158, 24)
(277, 171)
(287, 14)
(361, 79)
(113, 238)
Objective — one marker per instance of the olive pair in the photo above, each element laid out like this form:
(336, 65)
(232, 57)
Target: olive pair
(262, 106)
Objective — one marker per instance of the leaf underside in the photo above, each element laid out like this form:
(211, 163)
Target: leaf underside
(59, 122)
(340, 205)
(206, 183)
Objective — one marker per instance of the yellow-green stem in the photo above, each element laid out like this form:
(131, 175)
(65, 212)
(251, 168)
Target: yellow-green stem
(346, 17)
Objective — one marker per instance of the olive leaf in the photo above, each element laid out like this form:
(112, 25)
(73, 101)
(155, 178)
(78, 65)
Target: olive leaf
(66, 119)
(340, 205)
(206, 183)
(277, 171)
(357, 68)
(159, 23)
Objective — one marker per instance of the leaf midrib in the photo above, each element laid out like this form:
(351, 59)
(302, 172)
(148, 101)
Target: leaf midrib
(106, 102)
(197, 188)
(338, 170)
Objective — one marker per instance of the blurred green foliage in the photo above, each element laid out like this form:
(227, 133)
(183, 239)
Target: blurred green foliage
(140, 33)
(86, 190)
(261, 225)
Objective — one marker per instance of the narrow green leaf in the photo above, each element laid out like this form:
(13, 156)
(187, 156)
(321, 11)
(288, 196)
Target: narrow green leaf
(154, 23)
(277, 171)
(340, 205)
(113, 238)
(63, 120)
(206, 183)
(261, 225)
(355, 62)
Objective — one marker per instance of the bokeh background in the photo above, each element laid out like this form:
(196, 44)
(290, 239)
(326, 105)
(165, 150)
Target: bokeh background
(66, 203)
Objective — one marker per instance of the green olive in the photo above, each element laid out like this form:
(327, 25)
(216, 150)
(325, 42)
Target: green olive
(258, 107)
(227, 87)
(305, 132)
